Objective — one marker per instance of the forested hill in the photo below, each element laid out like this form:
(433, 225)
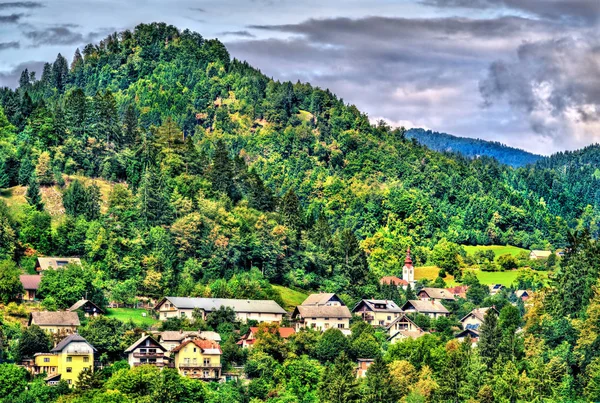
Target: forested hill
(219, 169)
(473, 148)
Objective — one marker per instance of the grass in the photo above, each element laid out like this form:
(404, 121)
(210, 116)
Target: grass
(499, 250)
(305, 116)
(505, 278)
(291, 298)
(126, 314)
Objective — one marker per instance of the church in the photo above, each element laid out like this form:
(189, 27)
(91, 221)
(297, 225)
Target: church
(408, 275)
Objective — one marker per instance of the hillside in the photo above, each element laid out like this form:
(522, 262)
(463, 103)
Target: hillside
(473, 148)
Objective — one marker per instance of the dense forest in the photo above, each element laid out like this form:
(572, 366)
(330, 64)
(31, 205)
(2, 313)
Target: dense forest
(473, 148)
(224, 182)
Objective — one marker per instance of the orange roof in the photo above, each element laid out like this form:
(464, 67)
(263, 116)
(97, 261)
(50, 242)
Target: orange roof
(392, 280)
(284, 332)
(202, 343)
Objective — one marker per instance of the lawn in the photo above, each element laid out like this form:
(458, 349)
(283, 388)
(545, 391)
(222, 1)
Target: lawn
(125, 314)
(498, 249)
(505, 278)
(291, 298)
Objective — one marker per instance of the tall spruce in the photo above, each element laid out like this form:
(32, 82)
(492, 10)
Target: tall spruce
(290, 210)
(490, 336)
(33, 194)
(379, 385)
(4, 177)
(339, 383)
(60, 73)
(153, 199)
(222, 175)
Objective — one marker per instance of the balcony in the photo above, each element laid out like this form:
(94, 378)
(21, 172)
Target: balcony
(156, 364)
(184, 365)
(148, 355)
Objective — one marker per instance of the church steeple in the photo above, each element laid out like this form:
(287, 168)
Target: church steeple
(408, 271)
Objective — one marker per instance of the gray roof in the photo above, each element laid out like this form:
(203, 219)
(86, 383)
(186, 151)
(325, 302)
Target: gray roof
(425, 306)
(318, 299)
(45, 263)
(71, 338)
(178, 335)
(81, 303)
(60, 318)
(323, 311)
(438, 293)
(479, 313)
(390, 306)
(213, 304)
(141, 340)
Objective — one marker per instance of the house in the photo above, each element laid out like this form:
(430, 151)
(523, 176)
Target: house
(61, 322)
(71, 356)
(474, 319)
(524, 295)
(403, 328)
(363, 365)
(539, 254)
(435, 294)
(393, 280)
(52, 263)
(173, 338)
(31, 284)
(146, 351)
(245, 309)
(322, 311)
(377, 312)
(249, 338)
(495, 288)
(434, 309)
(460, 291)
(471, 333)
(87, 307)
(199, 359)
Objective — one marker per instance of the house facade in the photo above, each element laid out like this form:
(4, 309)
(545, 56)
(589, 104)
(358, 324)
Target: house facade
(433, 309)
(88, 308)
(198, 359)
(61, 322)
(53, 263)
(245, 309)
(474, 319)
(173, 338)
(403, 328)
(249, 338)
(539, 254)
(363, 365)
(435, 294)
(377, 312)
(146, 351)
(66, 361)
(321, 312)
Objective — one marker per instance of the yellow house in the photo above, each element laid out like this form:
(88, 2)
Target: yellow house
(65, 361)
(55, 322)
(199, 359)
(377, 312)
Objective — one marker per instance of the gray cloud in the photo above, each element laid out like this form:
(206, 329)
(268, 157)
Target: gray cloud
(11, 78)
(243, 34)
(21, 4)
(10, 19)
(554, 83)
(199, 9)
(569, 11)
(9, 45)
(59, 35)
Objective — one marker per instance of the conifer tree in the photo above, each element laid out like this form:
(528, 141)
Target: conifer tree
(290, 210)
(43, 170)
(380, 386)
(33, 195)
(222, 172)
(130, 125)
(260, 197)
(490, 336)
(153, 199)
(60, 73)
(4, 178)
(25, 170)
(339, 384)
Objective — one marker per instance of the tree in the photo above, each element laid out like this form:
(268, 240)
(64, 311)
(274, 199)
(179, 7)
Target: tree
(4, 177)
(36, 230)
(33, 340)
(33, 195)
(224, 314)
(446, 255)
(83, 200)
(379, 385)
(10, 284)
(222, 176)
(338, 384)
(60, 73)
(43, 170)
(69, 284)
(153, 199)
(353, 260)
(13, 381)
(290, 210)
(107, 335)
(331, 345)
(490, 336)
(507, 262)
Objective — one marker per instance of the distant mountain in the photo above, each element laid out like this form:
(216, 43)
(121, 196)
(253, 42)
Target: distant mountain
(473, 148)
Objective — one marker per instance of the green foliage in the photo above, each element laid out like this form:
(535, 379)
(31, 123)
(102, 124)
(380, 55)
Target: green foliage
(13, 381)
(33, 340)
(82, 200)
(331, 344)
(10, 285)
(69, 284)
(33, 194)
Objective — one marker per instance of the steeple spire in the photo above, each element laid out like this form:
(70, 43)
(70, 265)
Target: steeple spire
(408, 261)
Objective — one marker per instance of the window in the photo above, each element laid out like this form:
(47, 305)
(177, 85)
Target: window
(183, 314)
(389, 317)
(165, 315)
(152, 351)
(326, 325)
(340, 326)
(194, 349)
(143, 350)
(207, 362)
(86, 359)
(46, 359)
(206, 374)
(68, 380)
(69, 369)
(326, 318)
(69, 359)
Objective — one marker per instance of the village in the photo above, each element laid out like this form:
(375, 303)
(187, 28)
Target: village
(197, 354)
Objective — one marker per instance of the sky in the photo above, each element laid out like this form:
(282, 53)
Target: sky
(522, 72)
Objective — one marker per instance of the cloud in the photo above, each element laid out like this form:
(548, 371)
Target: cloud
(10, 19)
(242, 34)
(59, 35)
(20, 4)
(568, 11)
(11, 78)
(199, 9)
(555, 84)
(9, 45)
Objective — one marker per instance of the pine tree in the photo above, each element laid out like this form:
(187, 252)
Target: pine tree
(24, 80)
(260, 197)
(290, 210)
(4, 178)
(74, 199)
(222, 172)
(25, 170)
(353, 261)
(77, 72)
(130, 125)
(33, 195)
(76, 112)
(379, 385)
(339, 384)
(490, 336)
(153, 199)
(60, 73)
(43, 170)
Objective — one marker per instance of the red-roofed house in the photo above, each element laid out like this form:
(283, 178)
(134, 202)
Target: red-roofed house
(393, 280)
(31, 283)
(250, 337)
(198, 359)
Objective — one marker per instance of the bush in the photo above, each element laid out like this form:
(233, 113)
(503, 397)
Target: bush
(14, 309)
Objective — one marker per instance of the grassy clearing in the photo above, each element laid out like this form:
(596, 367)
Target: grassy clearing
(126, 314)
(291, 298)
(505, 278)
(305, 116)
(498, 249)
